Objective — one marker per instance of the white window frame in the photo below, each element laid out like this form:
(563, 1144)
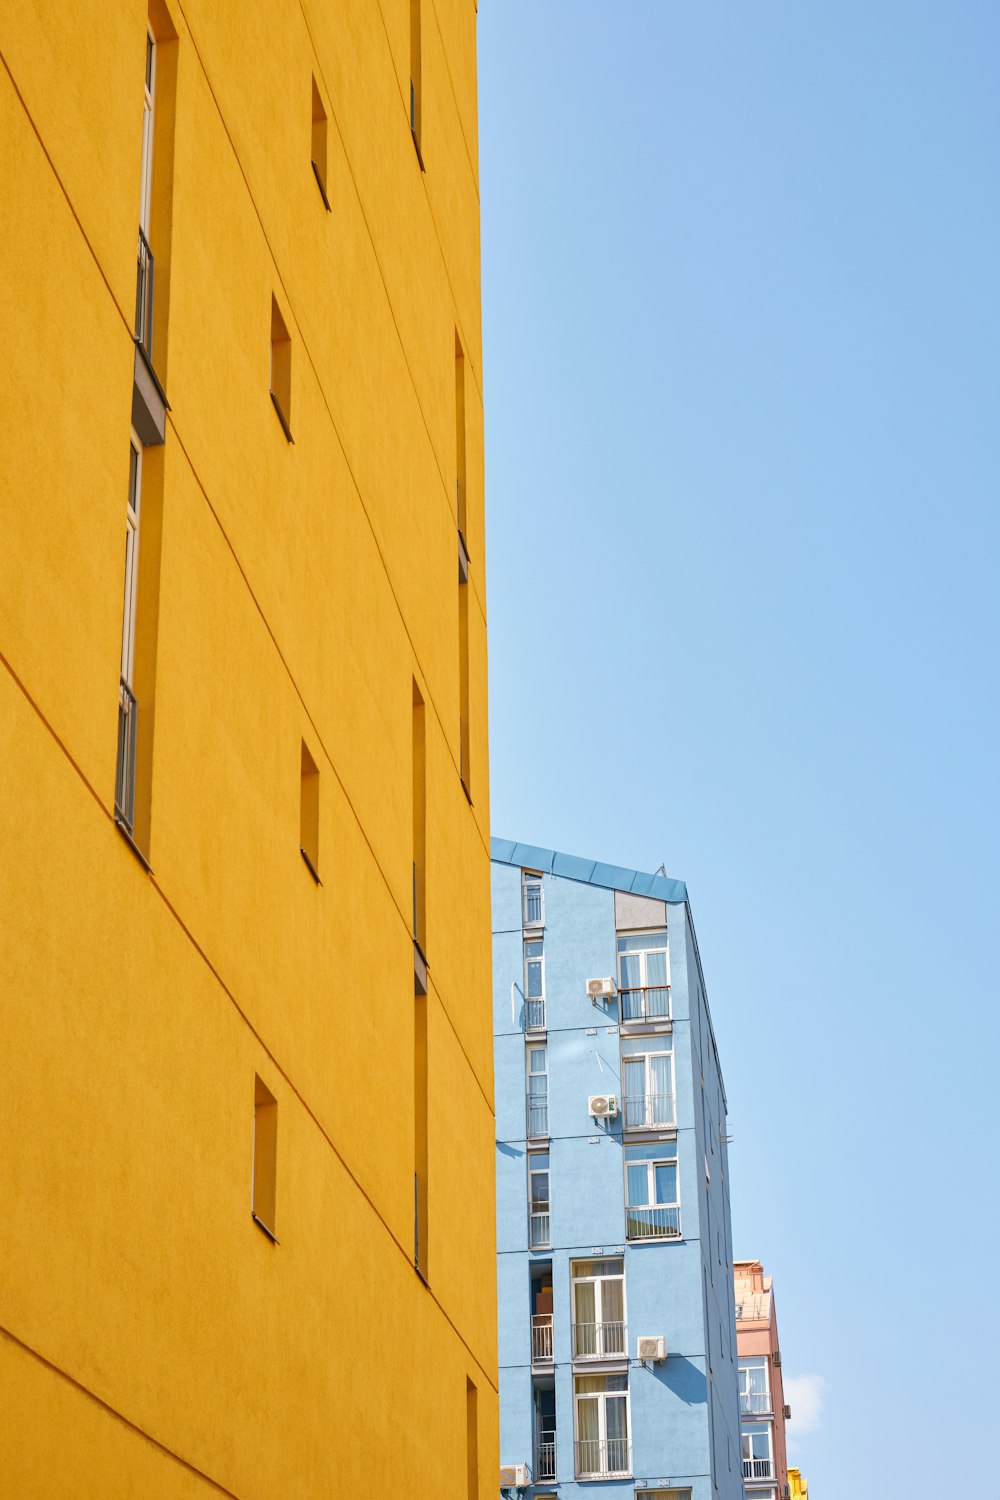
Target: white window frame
(747, 1365)
(148, 109)
(602, 1397)
(132, 515)
(531, 878)
(747, 1435)
(649, 1092)
(534, 1005)
(599, 1282)
(532, 1172)
(534, 1049)
(660, 946)
(651, 1165)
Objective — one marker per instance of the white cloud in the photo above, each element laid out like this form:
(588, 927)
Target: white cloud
(804, 1394)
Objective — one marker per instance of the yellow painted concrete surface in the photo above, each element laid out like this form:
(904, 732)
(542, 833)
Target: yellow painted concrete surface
(153, 1340)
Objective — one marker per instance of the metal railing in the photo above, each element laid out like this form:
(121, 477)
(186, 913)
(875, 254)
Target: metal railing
(534, 1015)
(645, 1110)
(601, 1456)
(538, 1226)
(758, 1468)
(541, 1338)
(538, 1114)
(144, 298)
(545, 1457)
(128, 713)
(532, 908)
(653, 1223)
(648, 1002)
(599, 1341)
(755, 1401)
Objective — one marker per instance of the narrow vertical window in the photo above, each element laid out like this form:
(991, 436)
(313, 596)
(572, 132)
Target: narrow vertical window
(309, 812)
(281, 369)
(538, 1089)
(415, 78)
(144, 285)
(461, 500)
(472, 1438)
(127, 709)
(319, 142)
(534, 985)
(419, 822)
(532, 899)
(420, 1147)
(464, 727)
(265, 1156)
(538, 1199)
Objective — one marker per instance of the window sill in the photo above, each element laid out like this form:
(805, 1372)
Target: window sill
(133, 845)
(310, 866)
(282, 419)
(264, 1229)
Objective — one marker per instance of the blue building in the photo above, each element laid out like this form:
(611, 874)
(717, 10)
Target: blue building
(615, 1274)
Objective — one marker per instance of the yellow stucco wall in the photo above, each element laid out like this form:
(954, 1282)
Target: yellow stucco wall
(153, 1341)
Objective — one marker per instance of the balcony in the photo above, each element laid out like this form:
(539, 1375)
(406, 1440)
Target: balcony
(545, 1458)
(754, 1402)
(758, 1468)
(648, 1002)
(649, 1111)
(534, 1015)
(538, 1226)
(661, 1222)
(541, 1339)
(538, 1116)
(599, 1341)
(125, 775)
(602, 1458)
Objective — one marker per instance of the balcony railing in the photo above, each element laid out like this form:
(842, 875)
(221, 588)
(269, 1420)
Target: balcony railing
(755, 1401)
(648, 1002)
(534, 1015)
(144, 298)
(646, 1110)
(541, 1338)
(538, 1115)
(599, 1341)
(545, 1458)
(600, 1457)
(758, 1468)
(532, 908)
(538, 1227)
(653, 1223)
(125, 778)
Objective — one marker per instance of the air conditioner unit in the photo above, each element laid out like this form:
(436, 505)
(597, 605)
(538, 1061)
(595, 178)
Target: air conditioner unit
(601, 989)
(514, 1476)
(787, 1412)
(653, 1348)
(602, 1106)
(777, 1359)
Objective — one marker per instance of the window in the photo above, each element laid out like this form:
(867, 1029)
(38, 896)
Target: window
(756, 1442)
(461, 487)
(534, 985)
(309, 813)
(666, 1494)
(532, 899)
(651, 1192)
(319, 131)
(538, 1089)
(472, 1438)
(601, 1412)
(265, 1156)
(144, 287)
(754, 1394)
(464, 708)
(648, 1081)
(644, 976)
(421, 1201)
(416, 79)
(127, 710)
(599, 1309)
(281, 370)
(419, 818)
(538, 1199)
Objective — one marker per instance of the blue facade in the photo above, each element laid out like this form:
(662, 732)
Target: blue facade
(611, 1227)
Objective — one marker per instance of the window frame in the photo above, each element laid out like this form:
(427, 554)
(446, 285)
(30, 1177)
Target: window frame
(602, 1397)
(533, 1212)
(598, 1281)
(541, 1100)
(531, 878)
(643, 955)
(661, 1158)
(649, 1092)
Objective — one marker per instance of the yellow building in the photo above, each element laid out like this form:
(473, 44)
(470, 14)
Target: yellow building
(798, 1489)
(247, 1244)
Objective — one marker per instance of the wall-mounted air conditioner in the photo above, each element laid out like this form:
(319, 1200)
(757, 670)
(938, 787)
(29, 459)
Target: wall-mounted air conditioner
(776, 1357)
(652, 1348)
(602, 1106)
(514, 1476)
(787, 1413)
(601, 989)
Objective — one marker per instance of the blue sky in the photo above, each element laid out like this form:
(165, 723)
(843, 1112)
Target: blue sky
(742, 377)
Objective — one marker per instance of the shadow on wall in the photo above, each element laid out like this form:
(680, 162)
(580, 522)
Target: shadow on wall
(509, 1150)
(682, 1377)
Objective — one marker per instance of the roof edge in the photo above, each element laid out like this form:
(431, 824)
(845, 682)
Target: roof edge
(588, 871)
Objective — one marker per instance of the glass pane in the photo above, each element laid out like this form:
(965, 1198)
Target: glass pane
(636, 1178)
(539, 1187)
(656, 968)
(534, 949)
(586, 1419)
(586, 1302)
(534, 979)
(538, 1085)
(666, 1181)
(615, 1416)
(630, 971)
(536, 1060)
(612, 1301)
(637, 942)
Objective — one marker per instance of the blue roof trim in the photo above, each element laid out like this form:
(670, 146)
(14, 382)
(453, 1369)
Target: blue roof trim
(592, 872)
